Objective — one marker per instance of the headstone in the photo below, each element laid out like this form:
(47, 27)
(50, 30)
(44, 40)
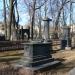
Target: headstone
(72, 72)
(66, 39)
(23, 33)
(36, 55)
(46, 28)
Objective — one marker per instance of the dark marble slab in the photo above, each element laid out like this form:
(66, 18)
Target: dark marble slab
(37, 56)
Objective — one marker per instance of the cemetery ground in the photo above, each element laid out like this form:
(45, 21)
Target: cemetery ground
(67, 57)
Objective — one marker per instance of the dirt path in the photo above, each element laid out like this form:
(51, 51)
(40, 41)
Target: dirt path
(68, 61)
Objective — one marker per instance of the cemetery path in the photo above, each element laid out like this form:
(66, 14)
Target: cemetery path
(68, 62)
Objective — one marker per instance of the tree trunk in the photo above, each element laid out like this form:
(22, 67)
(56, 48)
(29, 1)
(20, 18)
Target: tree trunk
(13, 29)
(5, 24)
(10, 20)
(33, 18)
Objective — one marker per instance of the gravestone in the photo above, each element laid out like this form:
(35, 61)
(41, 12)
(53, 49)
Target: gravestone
(46, 28)
(66, 39)
(37, 54)
(22, 33)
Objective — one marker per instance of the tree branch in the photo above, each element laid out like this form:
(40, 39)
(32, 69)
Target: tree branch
(41, 5)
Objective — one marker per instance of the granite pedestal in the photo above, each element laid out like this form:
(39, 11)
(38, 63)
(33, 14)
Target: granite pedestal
(64, 44)
(37, 56)
(66, 39)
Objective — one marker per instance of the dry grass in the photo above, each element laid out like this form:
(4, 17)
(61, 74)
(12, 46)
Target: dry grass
(6, 59)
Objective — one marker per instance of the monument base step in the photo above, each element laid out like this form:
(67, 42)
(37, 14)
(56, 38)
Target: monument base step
(33, 63)
(36, 68)
(67, 48)
(44, 65)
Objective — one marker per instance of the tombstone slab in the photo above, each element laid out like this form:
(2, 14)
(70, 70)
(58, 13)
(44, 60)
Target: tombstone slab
(46, 28)
(37, 56)
(66, 39)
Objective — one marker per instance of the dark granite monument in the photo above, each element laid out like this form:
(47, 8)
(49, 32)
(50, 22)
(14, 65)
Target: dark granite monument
(22, 32)
(37, 54)
(66, 39)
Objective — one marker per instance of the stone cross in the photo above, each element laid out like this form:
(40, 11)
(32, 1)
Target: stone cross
(46, 28)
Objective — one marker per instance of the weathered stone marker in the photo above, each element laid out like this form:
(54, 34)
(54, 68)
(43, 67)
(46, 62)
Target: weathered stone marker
(37, 55)
(46, 28)
(66, 39)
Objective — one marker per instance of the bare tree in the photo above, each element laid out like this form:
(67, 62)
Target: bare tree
(10, 19)
(33, 6)
(58, 16)
(5, 24)
(13, 22)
